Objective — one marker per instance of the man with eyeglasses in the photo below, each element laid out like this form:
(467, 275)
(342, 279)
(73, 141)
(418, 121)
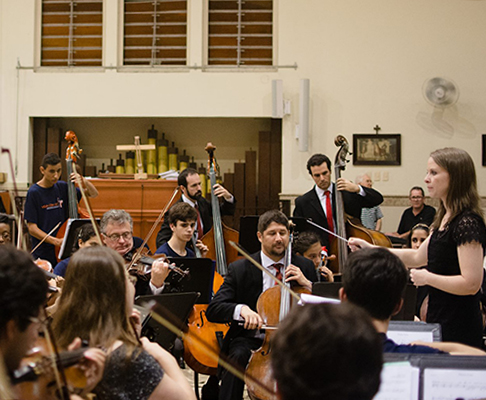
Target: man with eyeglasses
(117, 233)
(418, 213)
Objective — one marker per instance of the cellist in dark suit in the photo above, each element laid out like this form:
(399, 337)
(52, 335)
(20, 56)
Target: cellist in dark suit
(237, 298)
(316, 202)
(190, 184)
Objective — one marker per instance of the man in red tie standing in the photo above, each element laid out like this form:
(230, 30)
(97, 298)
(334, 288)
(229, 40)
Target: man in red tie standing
(236, 300)
(318, 204)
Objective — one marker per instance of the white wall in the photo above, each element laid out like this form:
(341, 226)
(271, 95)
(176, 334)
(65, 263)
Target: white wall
(366, 61)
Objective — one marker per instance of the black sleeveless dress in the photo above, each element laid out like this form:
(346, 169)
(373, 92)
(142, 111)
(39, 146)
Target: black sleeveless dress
(459, 316)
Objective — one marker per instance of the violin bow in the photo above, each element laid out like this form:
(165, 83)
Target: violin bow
(19, 215)
(163, 317)
(88, 207)
(152, 229)
(59, 374)
(327, 230)
(263, 269)
(45, 237)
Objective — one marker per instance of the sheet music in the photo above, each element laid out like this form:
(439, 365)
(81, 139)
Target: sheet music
(450, 384)
(399, 381)
(406, 337)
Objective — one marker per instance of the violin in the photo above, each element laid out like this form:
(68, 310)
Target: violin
(36, 378)
(141, 264)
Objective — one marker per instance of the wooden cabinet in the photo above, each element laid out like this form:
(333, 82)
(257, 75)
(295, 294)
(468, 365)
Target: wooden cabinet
(142, 199)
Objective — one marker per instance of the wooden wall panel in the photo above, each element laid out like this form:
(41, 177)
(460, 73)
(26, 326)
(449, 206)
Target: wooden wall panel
(264, 145)
(250, 182)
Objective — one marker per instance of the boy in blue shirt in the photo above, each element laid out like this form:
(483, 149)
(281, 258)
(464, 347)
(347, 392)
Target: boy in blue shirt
(47, 205)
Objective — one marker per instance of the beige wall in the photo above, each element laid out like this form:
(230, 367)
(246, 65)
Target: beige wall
(366, 61)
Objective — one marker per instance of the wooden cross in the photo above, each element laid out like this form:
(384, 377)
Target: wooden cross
(377, 128)
(138, 152)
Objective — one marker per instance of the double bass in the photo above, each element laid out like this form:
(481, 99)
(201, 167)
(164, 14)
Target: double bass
(347, 226)
(217, 241)
(74, 211)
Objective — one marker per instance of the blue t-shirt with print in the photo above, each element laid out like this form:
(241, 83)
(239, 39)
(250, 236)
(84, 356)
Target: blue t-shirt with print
(46, 207)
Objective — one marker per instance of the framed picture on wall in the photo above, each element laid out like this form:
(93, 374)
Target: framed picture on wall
(373, 149)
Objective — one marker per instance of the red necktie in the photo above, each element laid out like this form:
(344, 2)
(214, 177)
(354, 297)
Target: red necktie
(200, 232)
(330, 222)
(278, 268)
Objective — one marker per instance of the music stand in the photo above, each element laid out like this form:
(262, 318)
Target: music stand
(327, 289)
(200, 279)
(70, 236)
(178, 304)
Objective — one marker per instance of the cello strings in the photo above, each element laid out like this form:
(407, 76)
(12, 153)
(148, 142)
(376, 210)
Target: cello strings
(158, 309)
(263, 269)
(327, 230)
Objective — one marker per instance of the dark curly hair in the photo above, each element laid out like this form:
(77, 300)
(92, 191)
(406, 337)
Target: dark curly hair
(327, 351)
(23, 287)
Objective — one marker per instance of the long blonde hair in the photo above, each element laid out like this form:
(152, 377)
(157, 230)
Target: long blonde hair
(93, 304)
(462, 193)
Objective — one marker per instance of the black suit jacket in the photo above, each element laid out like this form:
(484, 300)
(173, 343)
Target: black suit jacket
(243, 284)
(309, 206)
(206, 212)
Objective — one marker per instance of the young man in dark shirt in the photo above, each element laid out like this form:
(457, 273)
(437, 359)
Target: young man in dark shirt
(182, 221)
(47, 205)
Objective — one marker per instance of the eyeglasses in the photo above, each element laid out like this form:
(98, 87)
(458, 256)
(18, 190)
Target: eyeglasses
(116, 237)
(416, 197)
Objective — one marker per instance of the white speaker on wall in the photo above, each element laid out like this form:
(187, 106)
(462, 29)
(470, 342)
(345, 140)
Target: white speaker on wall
(277, 99)
(303, 127)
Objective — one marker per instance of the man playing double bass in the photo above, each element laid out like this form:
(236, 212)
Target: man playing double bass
(190, 184)
(47, 205)
(319, 203)
(236, 300)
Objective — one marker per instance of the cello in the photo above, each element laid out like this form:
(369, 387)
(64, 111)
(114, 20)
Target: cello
(273, 306)
(217, 241)
(347, 226)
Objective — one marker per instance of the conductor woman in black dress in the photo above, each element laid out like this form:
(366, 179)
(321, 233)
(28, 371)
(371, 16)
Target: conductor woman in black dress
(454, 251)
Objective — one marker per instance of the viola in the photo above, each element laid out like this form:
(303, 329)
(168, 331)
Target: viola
(347, 226)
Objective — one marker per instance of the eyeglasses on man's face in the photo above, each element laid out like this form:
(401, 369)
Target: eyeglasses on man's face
(115, 237)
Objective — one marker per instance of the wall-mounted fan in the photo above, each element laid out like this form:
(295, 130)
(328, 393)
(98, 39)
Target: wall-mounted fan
(440, 92)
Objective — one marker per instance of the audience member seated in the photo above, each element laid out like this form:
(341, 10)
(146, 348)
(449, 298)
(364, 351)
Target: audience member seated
(97, 305)
(326, 351)
(308, 245)
(418, 213)
(371, 218)
(182, 222)
(375, 279)
(86, 236)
